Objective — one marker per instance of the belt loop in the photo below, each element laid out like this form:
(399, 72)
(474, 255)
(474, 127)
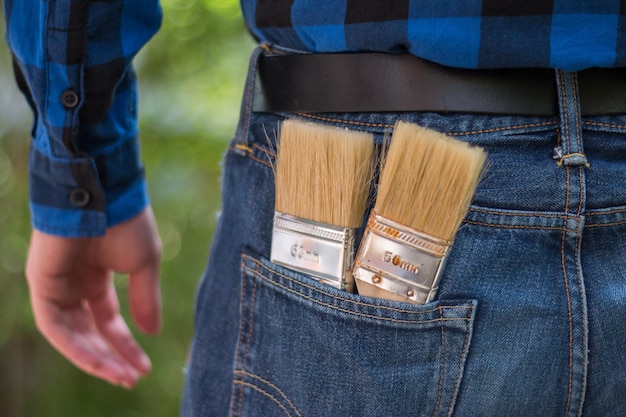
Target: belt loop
(243, 143)
(570, 152)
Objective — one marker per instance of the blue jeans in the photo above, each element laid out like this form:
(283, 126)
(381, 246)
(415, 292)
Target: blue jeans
(530, 318)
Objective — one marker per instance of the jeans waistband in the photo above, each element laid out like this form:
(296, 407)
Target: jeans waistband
(380, 82)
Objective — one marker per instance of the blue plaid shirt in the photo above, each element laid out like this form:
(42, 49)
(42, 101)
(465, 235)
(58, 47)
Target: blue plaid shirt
(73, 62)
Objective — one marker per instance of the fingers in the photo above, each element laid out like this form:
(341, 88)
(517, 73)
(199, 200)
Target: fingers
(145, 298)
(134, 248)
(113, 328)
(72, 332)
(75, 304)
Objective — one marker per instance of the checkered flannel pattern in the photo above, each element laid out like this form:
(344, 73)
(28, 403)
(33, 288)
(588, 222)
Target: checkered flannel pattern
(566, 34)
(73, 62)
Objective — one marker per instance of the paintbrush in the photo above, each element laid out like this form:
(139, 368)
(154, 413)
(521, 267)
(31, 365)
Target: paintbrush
(425, 188)
(323, 175)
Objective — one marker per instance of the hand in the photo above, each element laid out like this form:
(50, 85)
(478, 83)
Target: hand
(75, 303)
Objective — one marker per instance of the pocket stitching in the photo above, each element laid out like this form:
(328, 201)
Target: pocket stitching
(240, 343)
(442, 364)
(343, 310)
(462, 358)
(245, 373)
(264, 393)
(258, 264)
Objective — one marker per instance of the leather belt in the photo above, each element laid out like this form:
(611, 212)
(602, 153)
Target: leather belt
(379, 82)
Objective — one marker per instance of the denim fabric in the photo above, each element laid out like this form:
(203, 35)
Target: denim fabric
(528, 321)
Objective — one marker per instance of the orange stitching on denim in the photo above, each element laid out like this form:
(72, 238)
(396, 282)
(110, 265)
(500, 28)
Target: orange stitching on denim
(474, 132)
(265, 393)
(463, 355)
(251, 156)
(260, 161)
(600, 124)
(564, 112)
(343, 310)
(350, 122)
(267, 151)
(238, 396)
(271, 385)
(500, 129)
(250, 327)
(441, 371)
(584, 326)
(263, 277)
(520, 214)
(243, 147)
(271, 271)
(577, 114)
(602, 213)
(580, 195)
(606, 224)
(569, 155)
(510, 226)
(569, 303)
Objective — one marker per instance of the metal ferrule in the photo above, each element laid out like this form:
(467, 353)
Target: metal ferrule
(400, 260)
(321, 250)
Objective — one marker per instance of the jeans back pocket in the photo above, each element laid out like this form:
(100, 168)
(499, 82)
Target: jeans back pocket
(306, 349)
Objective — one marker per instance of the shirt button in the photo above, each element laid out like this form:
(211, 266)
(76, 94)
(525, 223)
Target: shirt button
(80, 197)
(69, 99)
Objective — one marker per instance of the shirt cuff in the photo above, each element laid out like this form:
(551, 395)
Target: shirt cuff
(82, 197)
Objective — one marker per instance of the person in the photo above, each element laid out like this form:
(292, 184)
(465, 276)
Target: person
(529, 316)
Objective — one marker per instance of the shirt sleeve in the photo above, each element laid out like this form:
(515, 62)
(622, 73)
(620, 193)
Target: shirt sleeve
(73, 62)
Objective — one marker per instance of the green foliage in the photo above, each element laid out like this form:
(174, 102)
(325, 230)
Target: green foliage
(191, 78)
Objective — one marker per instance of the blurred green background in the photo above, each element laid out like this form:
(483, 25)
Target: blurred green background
(192, 76)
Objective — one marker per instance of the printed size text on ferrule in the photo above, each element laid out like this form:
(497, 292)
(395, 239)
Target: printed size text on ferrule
(390, 257)
(298, 251)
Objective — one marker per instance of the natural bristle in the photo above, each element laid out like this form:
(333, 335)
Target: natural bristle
(428, 180)
(323, 173)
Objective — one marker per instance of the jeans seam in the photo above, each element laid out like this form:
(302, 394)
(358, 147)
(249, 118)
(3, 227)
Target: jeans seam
(241, 337)
(273, 386)
(605, 224)
(344, 310)
(264, 393)
(237, 392)
(581, 289)
(500, 129)
(267, 164)
(267, 151)
(520, 214)
(584, 329)
(615, 211)
(442, 365)
(361, 303)
(350, 122)
(602, 124)
(568, 295)
(577, 115)
(511, 226)
(564, 113)
(238, 398)
(470, 132)
(459, 375)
